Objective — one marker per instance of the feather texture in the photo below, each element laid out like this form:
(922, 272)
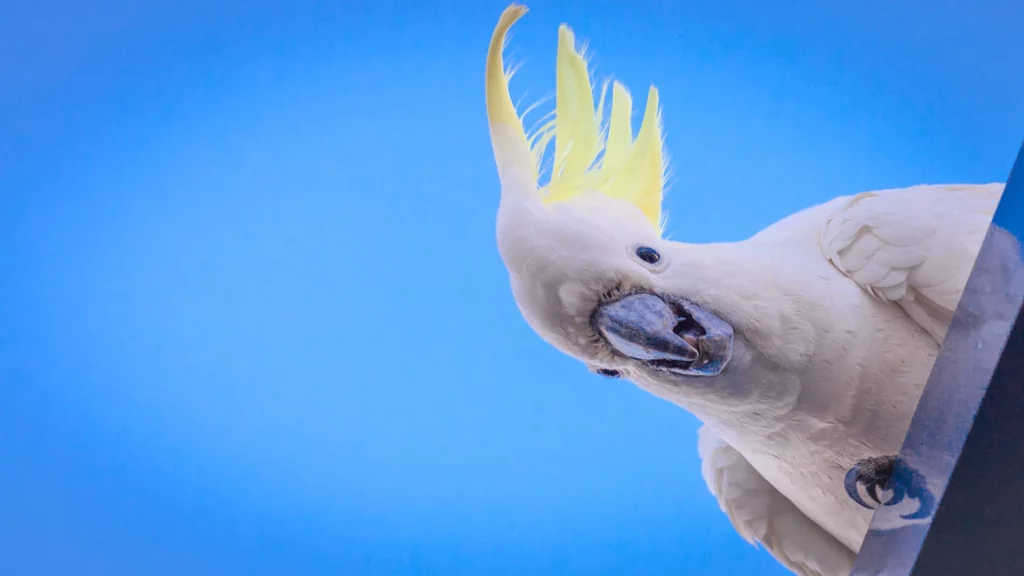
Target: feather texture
(762, 515)
(517, 168)
(912, 246)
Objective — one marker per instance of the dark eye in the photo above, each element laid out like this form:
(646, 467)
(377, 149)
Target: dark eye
(648, 254)
(608, 372)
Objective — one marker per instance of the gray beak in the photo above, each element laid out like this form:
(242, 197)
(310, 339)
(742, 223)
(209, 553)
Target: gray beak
(670, 335)
(641, 326)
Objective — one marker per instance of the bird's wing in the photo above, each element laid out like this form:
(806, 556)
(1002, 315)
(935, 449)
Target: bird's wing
(762, 515)
(912, 246)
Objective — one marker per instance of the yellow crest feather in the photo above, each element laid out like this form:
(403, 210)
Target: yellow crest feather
(501, 112)
(589, 154)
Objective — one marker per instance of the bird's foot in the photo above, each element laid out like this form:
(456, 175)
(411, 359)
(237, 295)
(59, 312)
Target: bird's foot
(890, 482)
(872, 474)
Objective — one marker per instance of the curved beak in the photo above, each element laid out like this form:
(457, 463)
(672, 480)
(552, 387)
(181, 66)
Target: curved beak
(640, 326)
(671, 335)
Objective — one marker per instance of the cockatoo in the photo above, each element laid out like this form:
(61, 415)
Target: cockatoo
(803, 349)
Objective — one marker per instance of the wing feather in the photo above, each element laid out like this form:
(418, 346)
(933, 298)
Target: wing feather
(913, 246)
(762, 515)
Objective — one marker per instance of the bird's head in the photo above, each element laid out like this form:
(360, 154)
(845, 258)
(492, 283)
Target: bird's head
(589, 267)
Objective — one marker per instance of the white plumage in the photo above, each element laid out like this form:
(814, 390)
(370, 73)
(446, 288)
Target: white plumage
(762, 515)
(913, 248)
(803, 349)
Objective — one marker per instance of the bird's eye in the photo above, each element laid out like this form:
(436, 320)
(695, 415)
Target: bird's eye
(608, 372)
(648, 254)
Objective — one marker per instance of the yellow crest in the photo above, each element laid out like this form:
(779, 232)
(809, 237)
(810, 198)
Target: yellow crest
(590, 153)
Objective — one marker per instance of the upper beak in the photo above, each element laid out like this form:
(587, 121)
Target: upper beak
(641, 326)
(675, 335)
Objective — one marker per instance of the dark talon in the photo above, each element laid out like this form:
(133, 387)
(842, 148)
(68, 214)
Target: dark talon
(872, 490)
(873, 473)
(889, 473)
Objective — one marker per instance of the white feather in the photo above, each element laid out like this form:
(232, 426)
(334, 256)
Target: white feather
(763, 515)
(913, 246)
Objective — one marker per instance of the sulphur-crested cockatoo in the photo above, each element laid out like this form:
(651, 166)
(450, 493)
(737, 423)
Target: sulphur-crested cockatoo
(803, 349)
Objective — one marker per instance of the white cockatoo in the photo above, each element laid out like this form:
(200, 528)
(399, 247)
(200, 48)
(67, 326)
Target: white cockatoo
(803, 349)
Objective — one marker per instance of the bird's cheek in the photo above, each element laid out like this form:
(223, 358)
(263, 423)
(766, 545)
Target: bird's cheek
(577, 299)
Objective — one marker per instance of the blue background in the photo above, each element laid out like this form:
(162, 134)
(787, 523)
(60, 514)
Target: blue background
(253, 319)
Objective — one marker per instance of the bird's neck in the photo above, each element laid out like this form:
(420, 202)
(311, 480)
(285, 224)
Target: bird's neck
(813, 351)
(785, 330)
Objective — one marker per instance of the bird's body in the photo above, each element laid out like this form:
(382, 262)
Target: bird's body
(804, 349)
(859, 367)
(839, 383)
(838, 372)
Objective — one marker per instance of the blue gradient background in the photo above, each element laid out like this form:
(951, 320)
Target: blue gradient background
(253, 320)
